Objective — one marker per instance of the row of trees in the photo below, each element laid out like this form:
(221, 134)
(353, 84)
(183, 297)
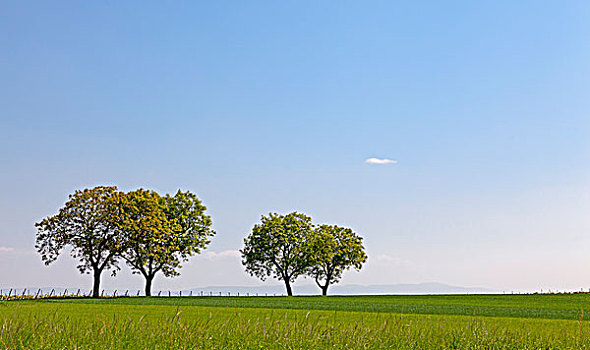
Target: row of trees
(153, 233)
(288, 246)
(103, 226)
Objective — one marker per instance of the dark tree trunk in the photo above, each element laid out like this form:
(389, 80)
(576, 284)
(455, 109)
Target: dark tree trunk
(324, 287)
(96, 284)
(148, 286)
(288, 286)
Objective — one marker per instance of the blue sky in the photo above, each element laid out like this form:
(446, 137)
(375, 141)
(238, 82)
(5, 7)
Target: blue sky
(274, 106)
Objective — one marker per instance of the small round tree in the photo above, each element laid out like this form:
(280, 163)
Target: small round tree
(336, 249)
(278, 247)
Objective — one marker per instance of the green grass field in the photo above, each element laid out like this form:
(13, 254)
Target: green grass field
(337, 322)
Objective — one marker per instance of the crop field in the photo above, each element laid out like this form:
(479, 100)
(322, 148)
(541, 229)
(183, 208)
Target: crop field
(556, 321)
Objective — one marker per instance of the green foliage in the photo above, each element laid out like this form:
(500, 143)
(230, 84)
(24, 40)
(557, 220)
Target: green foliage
(335, 250)
(148, 236)
(151, 233)
(287, 246)
(160, 233)
(194, 227)
(279, 247)
(85, 223)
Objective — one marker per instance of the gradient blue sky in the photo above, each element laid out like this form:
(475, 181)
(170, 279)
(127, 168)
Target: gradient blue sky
(265, 106)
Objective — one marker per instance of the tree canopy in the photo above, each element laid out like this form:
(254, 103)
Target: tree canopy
(154, 233)
(159, 233)
(288, 246)
(103, 225)
(278, 247)
(336, 249)
(86, 224)
(194, 226)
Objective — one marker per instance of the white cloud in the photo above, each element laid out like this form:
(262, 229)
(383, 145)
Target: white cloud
(380, 161)
(223, 254)
(6, 249)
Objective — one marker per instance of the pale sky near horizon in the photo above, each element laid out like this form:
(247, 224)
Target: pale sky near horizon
(276, 106)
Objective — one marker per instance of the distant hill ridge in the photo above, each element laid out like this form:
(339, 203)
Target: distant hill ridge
(352, 289)
(277, 289)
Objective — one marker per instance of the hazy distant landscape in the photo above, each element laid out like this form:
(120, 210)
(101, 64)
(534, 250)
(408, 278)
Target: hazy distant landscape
(277, 290)
(422, 288)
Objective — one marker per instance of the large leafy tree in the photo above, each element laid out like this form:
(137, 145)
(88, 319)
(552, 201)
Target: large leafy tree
(336, 249)
(278, 247)
(159, 233)
(84, 223)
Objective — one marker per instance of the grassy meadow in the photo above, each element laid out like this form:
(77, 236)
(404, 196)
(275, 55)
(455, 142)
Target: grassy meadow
(555, 321)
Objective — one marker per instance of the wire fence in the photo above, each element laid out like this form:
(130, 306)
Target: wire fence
(60, 293)
(27, 293)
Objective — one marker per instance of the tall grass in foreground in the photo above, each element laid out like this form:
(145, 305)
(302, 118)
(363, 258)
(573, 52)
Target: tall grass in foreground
(166, 327)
